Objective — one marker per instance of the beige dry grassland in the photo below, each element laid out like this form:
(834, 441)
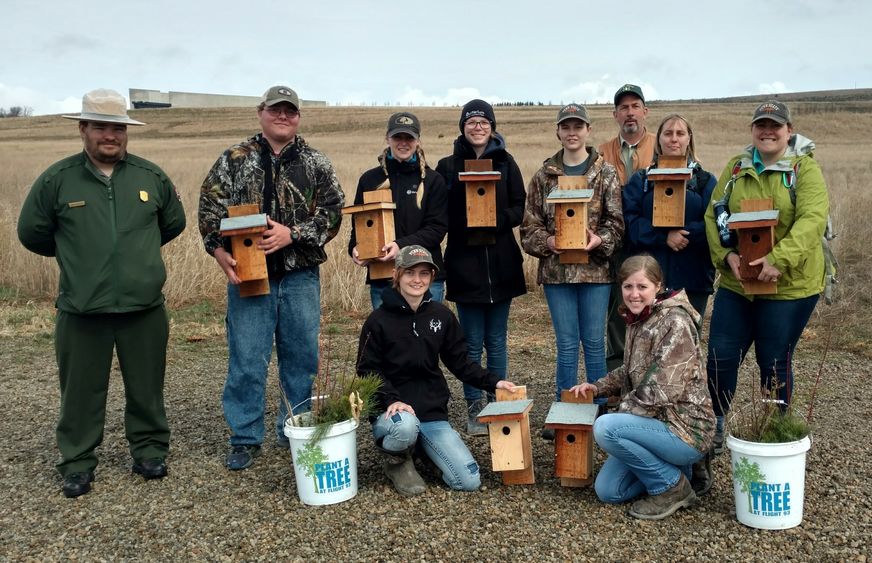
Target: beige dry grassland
(186, 142)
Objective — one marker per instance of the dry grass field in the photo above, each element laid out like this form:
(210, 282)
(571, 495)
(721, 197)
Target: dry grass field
(203, 512)
(185, 143)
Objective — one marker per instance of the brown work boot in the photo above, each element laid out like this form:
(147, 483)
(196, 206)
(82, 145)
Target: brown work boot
(658, 507)
(400, 469)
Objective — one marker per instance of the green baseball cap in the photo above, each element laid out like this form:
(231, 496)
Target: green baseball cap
(279, 94)
(413, 255)
(572, 111)
(629, 89)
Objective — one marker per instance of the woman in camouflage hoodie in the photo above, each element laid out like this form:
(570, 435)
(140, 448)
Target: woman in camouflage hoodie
(664, 422)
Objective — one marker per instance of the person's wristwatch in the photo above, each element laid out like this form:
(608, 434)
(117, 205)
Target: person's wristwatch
(295, 234)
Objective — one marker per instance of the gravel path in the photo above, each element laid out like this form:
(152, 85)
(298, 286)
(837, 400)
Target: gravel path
(202, 511)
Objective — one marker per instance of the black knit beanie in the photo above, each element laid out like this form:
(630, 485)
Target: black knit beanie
(478, 108)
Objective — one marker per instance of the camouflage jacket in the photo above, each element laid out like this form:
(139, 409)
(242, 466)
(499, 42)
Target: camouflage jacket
(605, 217)
(308, 196)
(662, 374)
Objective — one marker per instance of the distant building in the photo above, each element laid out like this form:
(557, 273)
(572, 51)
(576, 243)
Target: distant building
(140, 99)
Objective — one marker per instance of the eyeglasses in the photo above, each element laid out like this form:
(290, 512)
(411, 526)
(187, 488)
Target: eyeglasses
(277, 111)
(478, 124)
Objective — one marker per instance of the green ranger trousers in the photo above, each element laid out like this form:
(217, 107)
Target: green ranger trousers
(84, 346)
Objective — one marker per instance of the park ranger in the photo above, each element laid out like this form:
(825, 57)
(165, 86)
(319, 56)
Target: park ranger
(104, 214)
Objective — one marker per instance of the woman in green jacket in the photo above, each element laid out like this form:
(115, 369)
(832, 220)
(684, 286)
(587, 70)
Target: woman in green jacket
(778, 165)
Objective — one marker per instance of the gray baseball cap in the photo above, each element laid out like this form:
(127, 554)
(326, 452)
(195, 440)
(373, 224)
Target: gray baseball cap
(572, 111)
(279, 94)
(774, 110)
(413, 255)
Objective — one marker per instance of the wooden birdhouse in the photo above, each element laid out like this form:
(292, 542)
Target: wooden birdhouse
(508, 421)
(756, 232)
(572, 421)
(481, 193)
(570, 201)
(373, 229)
(670, 185)
(245, 226)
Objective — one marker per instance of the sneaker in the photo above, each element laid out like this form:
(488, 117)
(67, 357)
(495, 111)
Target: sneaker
(473, 426)
(153, 468)
(702, 479)
(241, 456)
(658, 507)
(77, 484)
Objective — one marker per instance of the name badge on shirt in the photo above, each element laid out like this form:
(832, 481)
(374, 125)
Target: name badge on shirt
(143, 195)
(76, 204)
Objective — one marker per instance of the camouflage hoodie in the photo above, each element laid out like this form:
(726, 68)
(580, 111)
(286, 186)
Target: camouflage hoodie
(308, 196)
(604, 214)
(662, 377)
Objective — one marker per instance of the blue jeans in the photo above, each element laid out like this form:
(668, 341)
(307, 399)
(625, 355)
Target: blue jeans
(773, 326)
(290, 314)
(440, 442)
(578, 313)
(644, 457)
(437, 290)
(485, 326)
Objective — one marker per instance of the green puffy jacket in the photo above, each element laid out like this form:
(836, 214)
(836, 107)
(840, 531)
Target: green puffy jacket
(802, 218)
(106, 233)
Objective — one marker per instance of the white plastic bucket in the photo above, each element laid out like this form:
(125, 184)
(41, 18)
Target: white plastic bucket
(326, 471)
(769, 482)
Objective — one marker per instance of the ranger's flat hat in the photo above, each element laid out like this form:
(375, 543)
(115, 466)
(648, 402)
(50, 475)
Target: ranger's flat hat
(104, 106)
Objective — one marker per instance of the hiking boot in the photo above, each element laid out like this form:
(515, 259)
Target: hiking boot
(400, 469)
(658, 507)
(718, 442)
(77, 484)
(473, 426)
(702, 479)
(153, 468)
(241, 456)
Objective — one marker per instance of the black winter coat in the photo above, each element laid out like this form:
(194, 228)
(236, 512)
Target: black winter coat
(484, 273)
(404, 348)
(425, 226)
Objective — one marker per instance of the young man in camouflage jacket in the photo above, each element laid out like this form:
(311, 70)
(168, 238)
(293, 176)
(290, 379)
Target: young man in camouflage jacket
(296, 187)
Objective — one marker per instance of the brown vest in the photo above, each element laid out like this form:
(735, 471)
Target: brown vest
(611, 151)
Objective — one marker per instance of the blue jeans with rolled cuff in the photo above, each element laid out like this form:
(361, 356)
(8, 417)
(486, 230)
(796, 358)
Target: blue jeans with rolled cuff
(578, 313)
(291, 316)
(485, 327)
(644, 457)
(772, 325)
(437, 439)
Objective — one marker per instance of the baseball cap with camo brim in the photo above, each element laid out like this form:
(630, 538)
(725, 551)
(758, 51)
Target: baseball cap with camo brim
(774, 110)
(629, 89)
(279, 94)
(572, 111)
(404, 122)
(413, 255)
(104, 106)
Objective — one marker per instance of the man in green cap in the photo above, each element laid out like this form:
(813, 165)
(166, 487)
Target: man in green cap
(104, 214)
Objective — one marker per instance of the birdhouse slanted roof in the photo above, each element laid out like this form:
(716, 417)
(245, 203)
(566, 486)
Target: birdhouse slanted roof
(747, 219)
(505, 410)
(571, 414)
(661, 174)
(243, 222)
(569, 196)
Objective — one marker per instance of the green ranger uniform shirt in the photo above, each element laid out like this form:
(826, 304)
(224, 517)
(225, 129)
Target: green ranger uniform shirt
(106, 233)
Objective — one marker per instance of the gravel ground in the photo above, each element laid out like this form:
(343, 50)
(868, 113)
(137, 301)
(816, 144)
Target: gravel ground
(202, 511)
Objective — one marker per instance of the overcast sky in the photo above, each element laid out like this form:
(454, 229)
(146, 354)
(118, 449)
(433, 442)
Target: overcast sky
(417, 52)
